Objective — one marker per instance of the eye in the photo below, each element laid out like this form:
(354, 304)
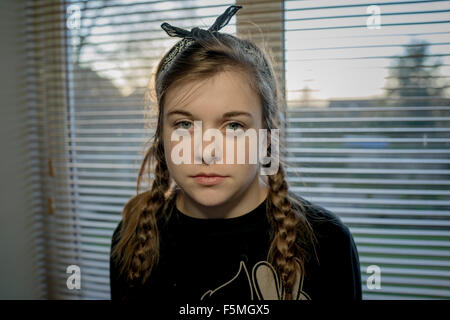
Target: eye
(177, 125)
(240, 126)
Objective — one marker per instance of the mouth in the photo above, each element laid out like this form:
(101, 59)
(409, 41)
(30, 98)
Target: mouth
(209, 180)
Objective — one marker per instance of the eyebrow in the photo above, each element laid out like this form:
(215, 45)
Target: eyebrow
(224, 116)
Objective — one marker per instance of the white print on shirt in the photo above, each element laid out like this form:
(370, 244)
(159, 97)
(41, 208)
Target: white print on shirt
(264, 283)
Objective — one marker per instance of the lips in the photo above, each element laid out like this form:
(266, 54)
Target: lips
(208, 175)
(209, 180)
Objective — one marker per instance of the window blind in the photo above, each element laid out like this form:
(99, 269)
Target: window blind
(368, 132)
(361, 140)
(95, 59)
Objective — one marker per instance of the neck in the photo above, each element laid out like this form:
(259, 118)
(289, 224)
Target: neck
(236, 206)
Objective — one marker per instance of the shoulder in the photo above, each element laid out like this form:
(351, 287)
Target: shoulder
(132, 208)
(337, 249)
(131, 213)
(338, 259)
(326, 225)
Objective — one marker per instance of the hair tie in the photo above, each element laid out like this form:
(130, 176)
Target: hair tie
(190, 36)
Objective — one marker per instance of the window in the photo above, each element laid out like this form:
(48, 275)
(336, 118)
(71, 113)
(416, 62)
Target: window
(368, 132)
(367, 123)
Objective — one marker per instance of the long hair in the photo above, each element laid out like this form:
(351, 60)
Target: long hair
(292, 237)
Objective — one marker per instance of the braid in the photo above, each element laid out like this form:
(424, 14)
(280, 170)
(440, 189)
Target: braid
(138, 247)
(147, 235)
(283, 247)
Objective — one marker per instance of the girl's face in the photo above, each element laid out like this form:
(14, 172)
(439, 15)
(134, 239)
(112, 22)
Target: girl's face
(207, 101)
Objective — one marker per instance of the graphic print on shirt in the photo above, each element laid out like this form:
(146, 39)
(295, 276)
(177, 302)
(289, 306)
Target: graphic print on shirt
(264, 283)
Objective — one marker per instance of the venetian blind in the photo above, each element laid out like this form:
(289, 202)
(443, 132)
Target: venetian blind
(94, 61)
(367, 123)
(367, 84)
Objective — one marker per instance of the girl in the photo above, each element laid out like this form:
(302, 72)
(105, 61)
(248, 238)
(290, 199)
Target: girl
(209, 231)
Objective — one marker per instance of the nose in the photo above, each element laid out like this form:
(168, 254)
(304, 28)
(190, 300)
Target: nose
(209, 151)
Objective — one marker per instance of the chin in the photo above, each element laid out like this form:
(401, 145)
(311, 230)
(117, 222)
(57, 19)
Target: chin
(209, 197)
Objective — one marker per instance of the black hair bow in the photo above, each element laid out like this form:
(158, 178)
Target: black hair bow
(190, 36)
(220, 22)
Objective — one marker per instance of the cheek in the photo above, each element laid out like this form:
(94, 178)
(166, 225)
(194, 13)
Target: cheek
(168, 146)
(246, 148)
(177, 148)
(244, 173)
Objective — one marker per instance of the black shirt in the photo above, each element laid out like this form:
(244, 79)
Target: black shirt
(220, 259)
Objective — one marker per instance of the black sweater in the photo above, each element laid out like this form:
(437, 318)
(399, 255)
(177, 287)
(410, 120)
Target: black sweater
(222, 259)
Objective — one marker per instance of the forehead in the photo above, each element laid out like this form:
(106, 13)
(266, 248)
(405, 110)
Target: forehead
(226, 91)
